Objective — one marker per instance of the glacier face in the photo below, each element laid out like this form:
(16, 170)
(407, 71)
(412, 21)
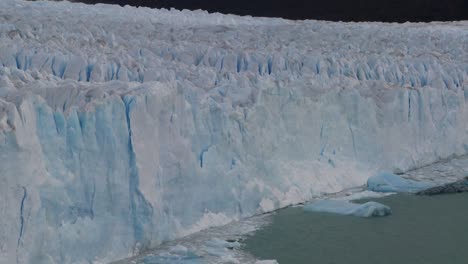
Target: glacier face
(121, 128)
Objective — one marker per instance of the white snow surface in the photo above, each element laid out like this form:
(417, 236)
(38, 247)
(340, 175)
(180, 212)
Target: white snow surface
(122, 127)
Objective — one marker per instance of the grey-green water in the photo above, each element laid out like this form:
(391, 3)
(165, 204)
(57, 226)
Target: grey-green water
(422, 230)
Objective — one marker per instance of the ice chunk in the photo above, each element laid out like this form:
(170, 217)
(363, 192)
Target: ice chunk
(389, 182)
(178, 249)
(369, 209)
(175, 255)
(168, 258)
(219, 247)
(363, 195)
(219, 243)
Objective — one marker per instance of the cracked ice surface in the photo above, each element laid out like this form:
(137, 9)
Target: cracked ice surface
(121, 128)
(442, 172)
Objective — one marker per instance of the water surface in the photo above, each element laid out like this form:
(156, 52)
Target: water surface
(421, 230)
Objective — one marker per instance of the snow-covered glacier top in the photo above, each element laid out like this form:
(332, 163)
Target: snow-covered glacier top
(104, 42)
(123, 127)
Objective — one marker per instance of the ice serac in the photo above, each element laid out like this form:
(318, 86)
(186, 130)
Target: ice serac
(121, 128)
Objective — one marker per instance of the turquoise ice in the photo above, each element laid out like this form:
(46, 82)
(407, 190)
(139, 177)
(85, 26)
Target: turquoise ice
(369, 209)
(389, 182)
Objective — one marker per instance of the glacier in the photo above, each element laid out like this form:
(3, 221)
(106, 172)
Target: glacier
(122, 128)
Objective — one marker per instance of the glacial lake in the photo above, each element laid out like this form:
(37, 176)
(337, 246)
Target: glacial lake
(421, 230)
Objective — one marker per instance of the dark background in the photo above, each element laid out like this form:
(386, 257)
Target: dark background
(335, 10)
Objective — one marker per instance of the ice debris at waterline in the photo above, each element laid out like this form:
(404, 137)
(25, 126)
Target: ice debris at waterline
(389, 182)
(219, 247)
(178, 257)
(455, 187)
(122, 128)
(369, 209)
(182, 255)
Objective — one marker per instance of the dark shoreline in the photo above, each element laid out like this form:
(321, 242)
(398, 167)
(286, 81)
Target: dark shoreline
(454, 187)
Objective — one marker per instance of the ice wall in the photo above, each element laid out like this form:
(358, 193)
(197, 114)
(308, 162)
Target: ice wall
(121, 128)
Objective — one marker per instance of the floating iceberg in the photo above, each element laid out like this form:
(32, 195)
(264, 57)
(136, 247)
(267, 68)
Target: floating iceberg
(122, 128)
(266, 262)
(369, 209)
(389, 182)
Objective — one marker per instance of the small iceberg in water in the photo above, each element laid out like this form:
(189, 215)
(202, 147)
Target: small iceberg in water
(369, 209)
(389, 182)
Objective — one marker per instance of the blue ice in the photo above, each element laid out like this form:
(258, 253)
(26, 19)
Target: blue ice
(389, 182)
(369, 209)
(189, 258)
